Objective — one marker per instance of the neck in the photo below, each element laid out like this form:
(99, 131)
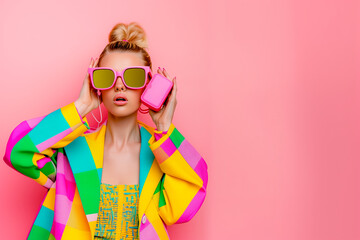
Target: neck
(121, 131)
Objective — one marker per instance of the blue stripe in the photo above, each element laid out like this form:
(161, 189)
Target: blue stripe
(45, 218)
(146, 157)
(82, 160)
(99, 170)
(51, 125)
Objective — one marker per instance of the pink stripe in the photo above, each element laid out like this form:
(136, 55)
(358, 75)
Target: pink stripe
(61, 163)
(201, 170)
(189, 153)
(147, 231)
(159, 135)
(41, 162)
(63, 167)
(48, 183)
(51, 141)
(57, 230)
(197, 201)
(19, 132)
(34, 121)
(63, 208)
(168, 147)
(65, 187)
(65, 191)
(92, 217)
(193, 207)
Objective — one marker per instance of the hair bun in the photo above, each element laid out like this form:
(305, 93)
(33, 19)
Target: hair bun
(131, 32)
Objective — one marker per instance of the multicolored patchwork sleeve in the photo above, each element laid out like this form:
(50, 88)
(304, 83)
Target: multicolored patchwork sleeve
(33, 145)
(183, 186)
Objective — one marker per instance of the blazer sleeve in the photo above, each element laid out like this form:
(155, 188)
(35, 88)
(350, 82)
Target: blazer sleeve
(33, 145)
(183, 186)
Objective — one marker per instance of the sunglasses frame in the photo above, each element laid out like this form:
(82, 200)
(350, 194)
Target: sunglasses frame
(147, 69)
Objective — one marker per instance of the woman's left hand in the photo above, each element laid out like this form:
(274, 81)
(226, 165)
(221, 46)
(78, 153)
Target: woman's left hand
(163, 118)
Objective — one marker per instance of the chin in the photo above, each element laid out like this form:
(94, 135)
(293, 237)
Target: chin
(122, 112)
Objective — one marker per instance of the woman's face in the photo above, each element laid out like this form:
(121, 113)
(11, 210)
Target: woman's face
(118, 61)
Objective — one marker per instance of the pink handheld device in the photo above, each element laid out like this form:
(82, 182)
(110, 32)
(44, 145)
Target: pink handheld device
(156, 92)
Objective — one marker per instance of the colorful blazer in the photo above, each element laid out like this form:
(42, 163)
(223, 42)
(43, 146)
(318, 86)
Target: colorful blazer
(62, 153)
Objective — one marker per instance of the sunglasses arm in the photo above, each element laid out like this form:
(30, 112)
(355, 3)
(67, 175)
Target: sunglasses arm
(149, 77)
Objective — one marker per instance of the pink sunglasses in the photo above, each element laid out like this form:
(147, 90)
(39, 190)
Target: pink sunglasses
(133, 77)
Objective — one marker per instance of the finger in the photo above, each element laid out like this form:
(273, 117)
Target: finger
(160, 71)
(175, 85)
(169, 103)
(151, 112)
(166, 73)
(172, 100)
(96, 62)
(91, 61)
(173, 90)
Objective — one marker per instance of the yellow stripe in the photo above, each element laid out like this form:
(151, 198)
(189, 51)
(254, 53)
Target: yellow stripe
(177, 185)
(148, 128)
(155, 220)
(42, 179)
(155, 144)
(49, 201)
(71, 233)
(150, 184)
(77, 218)
(96, 149)
(71, 115)
(37, 156)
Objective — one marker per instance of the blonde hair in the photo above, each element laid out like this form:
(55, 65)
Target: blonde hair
(136, 41)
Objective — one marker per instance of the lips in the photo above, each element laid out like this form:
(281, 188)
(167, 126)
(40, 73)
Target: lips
(120, 97)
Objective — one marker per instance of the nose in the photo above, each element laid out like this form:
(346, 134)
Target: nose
(119, 85)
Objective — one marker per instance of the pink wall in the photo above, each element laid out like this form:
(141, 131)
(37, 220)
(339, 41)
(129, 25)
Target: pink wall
(272, 88)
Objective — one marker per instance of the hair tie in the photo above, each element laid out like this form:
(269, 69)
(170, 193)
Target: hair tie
(125, 40)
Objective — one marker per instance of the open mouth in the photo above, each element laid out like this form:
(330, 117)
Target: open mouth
(120, 99)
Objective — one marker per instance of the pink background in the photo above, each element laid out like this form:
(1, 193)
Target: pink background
(268, 92)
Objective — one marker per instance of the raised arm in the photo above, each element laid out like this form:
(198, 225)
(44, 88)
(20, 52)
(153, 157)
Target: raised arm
(183, 187)
(33, 145)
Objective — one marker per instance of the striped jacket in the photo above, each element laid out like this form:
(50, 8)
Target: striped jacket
(62, 153)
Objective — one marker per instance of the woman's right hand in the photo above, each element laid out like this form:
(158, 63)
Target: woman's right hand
(88, 99)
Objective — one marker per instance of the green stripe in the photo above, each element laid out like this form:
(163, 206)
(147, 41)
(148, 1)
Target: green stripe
(37, 233)
(89, 189)
(21, 157)
(176, 138)
(162, 201)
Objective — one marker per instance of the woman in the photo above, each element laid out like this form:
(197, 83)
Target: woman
(124, 180)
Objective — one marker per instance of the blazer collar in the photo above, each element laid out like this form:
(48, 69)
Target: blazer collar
(85, 155)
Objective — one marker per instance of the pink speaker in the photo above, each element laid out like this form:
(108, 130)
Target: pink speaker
(156, 92)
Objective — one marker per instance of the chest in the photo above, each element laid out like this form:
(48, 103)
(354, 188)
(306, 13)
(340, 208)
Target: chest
(121, 165)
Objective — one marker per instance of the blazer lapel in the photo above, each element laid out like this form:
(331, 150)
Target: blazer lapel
(85, 155)
(150, 172)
